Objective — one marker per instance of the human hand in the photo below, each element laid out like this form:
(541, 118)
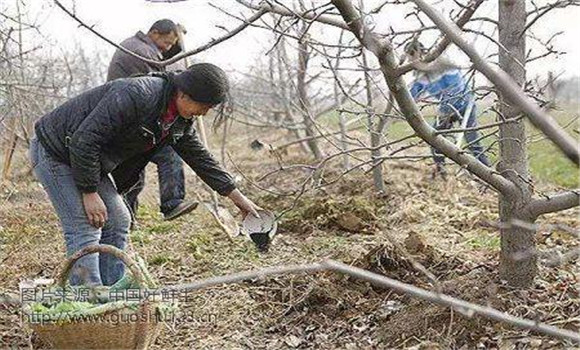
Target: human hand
(245, 205)
(95, 209)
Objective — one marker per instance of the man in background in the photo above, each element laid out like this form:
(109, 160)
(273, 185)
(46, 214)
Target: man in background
(160, 43)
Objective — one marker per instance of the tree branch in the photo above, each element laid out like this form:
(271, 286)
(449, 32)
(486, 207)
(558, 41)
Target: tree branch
(445, 300)
(507, 86)
(409, 108)
(280, 10)
(438, 49)
(555, 203)
(466, 308)
(210, 44)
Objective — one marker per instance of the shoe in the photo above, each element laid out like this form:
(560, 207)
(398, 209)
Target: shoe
(439, 171)
(182, 208)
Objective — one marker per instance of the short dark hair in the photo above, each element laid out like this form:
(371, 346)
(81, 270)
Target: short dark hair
(204, 82)
(164, 26)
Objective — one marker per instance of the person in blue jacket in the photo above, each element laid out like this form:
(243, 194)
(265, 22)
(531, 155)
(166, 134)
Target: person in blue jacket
(443, 81)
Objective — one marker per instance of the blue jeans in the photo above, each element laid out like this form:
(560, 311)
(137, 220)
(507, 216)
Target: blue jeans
(171, 181)
(446, 122)
(57, 180)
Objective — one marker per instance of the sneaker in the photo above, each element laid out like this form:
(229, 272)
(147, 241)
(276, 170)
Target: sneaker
(182, 208)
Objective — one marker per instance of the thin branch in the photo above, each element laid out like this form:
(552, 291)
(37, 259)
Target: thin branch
(172, 60)
(287, 12)
(545, 10)
(507, 86)
(288, 144)
(438, 49)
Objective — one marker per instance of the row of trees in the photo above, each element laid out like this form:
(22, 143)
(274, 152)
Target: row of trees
(34, 78)
(519, 207)
(331, 58)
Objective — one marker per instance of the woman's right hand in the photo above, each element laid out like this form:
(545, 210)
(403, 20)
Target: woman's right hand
(245, 205)
(95, 209)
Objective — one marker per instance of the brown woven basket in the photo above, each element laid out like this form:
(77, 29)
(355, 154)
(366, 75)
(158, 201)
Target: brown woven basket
(131, 329)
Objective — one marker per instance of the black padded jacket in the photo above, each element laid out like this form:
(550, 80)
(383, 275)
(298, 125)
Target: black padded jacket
(110, 130)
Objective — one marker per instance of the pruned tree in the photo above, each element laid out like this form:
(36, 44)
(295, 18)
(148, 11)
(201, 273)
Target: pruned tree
(519, 208)
(32, 81)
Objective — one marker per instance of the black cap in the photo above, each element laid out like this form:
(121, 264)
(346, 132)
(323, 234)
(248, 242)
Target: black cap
(204, 82)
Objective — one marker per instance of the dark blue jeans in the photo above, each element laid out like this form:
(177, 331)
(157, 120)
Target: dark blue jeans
(171, 181)
(446, 122)
(57, 180)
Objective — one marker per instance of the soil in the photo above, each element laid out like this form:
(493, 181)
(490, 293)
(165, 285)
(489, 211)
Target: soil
(434, 234)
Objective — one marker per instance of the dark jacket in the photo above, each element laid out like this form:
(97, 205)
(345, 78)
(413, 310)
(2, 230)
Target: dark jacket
(124, 65)
(108, 130)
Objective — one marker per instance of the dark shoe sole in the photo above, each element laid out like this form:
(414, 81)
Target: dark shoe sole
(175, 213)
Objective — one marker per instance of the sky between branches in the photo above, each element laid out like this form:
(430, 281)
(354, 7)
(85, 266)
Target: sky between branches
(119, 19)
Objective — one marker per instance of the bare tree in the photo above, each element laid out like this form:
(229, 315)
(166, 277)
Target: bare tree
(33, 81)
(304, 101)
(518, 255)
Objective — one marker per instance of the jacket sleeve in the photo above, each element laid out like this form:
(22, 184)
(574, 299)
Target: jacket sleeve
(417, 88)
(111, 115)
(202, 162)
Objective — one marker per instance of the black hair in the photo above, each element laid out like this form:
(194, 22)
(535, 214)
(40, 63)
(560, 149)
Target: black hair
(164, 26)
(206, 83)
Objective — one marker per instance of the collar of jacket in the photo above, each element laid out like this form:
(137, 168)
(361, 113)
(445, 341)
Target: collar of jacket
(147, 40)
(168, 89)
(163, 104)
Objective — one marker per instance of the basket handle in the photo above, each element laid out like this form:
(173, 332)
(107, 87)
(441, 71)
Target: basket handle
(100, 248)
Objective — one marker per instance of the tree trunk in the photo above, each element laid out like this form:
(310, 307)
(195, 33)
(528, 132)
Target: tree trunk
(338, 104)
(518, 260)
(342, 125)
(16, 99)
(10, 148)
(551, 94)
(284, 80)
(374, 132)
(303, 56)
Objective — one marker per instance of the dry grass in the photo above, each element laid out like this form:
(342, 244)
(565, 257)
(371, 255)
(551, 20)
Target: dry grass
(441, 223)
